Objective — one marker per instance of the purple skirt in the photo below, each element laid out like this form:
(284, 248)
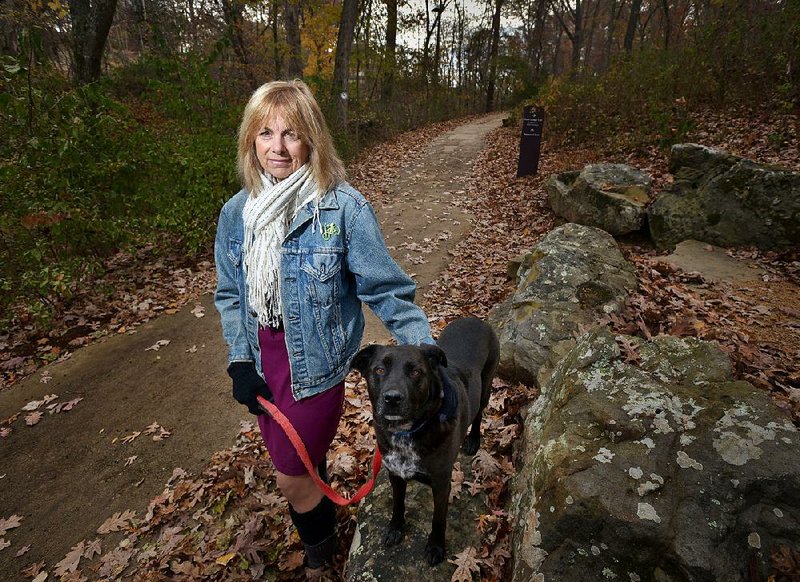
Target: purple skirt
(316, 418)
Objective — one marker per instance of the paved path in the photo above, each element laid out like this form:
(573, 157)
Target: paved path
(421, 223)
(68, 473)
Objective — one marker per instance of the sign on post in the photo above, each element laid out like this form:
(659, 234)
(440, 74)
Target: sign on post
(530, 142)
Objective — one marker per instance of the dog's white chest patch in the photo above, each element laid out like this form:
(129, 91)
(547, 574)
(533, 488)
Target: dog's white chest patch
(403, 460)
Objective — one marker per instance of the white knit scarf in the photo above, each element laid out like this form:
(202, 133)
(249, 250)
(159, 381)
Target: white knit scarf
(267, 217)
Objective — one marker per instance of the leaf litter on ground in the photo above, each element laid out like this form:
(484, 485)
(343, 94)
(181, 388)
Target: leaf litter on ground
(230, 522)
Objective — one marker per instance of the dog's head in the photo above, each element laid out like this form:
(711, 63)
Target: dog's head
(403, 382)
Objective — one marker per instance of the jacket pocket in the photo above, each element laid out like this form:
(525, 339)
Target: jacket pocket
(323, 283)
(322, 288)
(322, 265)
(235, 251)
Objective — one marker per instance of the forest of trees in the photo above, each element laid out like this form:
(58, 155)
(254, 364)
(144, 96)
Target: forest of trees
(469, 54)
(119, 116)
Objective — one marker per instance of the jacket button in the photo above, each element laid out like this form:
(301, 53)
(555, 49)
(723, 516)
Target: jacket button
(253, 313)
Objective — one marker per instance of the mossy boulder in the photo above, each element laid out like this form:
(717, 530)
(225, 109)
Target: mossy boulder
(651, 462)
(611, 197)
(726, 200)
(571, 278)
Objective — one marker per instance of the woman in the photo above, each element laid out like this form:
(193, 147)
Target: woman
(297, 251)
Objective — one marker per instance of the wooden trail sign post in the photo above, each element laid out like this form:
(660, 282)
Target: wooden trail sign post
(530, 142)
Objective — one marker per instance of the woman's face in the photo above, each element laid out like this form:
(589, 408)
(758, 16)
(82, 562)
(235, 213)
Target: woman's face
(279, 149)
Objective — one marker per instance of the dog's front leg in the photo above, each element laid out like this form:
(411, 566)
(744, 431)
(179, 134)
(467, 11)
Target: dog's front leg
(434, 550)
(394, 532)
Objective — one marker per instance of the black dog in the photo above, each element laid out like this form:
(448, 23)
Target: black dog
(424, 400)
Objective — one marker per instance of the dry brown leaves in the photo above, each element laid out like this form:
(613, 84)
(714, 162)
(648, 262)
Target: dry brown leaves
(231, 523)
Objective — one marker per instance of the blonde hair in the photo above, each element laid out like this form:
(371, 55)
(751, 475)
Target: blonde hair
(295, 103)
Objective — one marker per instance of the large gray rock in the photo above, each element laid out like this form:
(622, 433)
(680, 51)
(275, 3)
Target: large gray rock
(608, 196)
(663, 469)
(572, 277)
(725, 200)
(370, 561)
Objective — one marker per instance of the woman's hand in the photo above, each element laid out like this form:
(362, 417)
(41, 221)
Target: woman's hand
(247, 385)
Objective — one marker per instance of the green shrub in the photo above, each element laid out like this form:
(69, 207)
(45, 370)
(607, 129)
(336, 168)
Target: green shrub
(84, 174)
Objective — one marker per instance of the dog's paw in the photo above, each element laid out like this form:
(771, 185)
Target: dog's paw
(392, 536)
(434, 554)
(471, 444)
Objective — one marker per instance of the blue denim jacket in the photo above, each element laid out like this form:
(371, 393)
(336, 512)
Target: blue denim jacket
(324, 278)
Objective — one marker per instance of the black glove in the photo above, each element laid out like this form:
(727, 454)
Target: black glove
(247, 384)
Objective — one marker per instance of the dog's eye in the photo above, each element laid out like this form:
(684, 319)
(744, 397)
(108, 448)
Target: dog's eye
(380, 371)
(415, 373)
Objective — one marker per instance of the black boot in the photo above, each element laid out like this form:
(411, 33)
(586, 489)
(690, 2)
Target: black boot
(317, 529)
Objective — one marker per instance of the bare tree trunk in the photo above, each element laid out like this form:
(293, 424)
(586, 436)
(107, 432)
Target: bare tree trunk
(577, 36)
(493, 56)
(667, 22)
(344, 44)
(614, 13)
(276, 55)
(291, 20)
(391, 50)
(438, 50)
(633, 20)
(590, 38)
(91, 21)
(459, 28)
(557, 51)
(232, 11)
(536, 57)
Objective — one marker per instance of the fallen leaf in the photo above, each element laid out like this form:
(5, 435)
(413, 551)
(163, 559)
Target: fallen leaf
(93, 548)
(33, 418)
(32, 405)
(9, 523)
(117, 522)
(152, 428)
(290, 561)
(225, 558)
(129, 461)
(4, 544)
(249, 477)
(466, 564)
(70, 561)
(131, 437)
(162, 434)
(34, 570)
(158, 345)
(58, 407)
(22, 551)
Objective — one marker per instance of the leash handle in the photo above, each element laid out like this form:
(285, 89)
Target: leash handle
(300, 447)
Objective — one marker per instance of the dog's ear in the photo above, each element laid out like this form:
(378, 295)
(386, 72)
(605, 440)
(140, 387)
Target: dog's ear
(362, 359)
(434, 355)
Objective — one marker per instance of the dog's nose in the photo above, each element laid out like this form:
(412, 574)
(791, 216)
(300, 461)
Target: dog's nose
(392, 398)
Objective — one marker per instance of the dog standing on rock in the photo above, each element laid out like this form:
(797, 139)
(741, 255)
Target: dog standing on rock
(424, 400)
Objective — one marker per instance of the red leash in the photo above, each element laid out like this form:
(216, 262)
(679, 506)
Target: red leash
(300, 447)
